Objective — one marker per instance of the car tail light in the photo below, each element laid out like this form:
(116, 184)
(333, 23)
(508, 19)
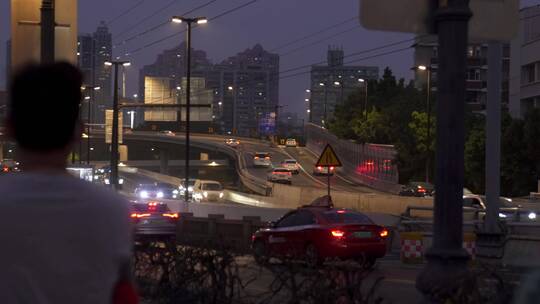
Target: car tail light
(331, 168)
(383, 233)
(267, 157)
(171, 215)
(139, 215)
(340, 211)
(422, 190)
(319, 168)
(256, 157)
(338, 233)
(152, 204)
(5, 169)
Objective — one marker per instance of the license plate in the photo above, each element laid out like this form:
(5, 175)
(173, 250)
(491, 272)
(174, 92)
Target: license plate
(362, 234)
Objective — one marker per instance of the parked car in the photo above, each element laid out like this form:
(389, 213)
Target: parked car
(208, 191)
(233, 143)
(417, 189)
(320, 170)
(507, 208)
(291, 165)
(280, 175)
(262, 159)
(317, 233)
(291, 142)
(153, 219)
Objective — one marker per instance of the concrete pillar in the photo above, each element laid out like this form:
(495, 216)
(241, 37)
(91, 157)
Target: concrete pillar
(164, 161)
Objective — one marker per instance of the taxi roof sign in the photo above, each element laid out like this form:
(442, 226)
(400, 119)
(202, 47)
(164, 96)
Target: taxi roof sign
(328, 158)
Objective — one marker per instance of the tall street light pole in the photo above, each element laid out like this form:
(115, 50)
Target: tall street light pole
(47, 31)
(89, 117)
(189, 21)
(365, 82)
(427, 69)
(114, 137)
(446, 269)
(322, 84)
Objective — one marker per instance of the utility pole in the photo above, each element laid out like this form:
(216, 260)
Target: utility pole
(47, 31)
(446, 269)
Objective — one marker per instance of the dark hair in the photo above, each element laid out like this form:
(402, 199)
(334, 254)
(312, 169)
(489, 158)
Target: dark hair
(44, 105)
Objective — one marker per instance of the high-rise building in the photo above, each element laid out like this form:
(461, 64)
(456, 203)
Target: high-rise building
(248, 90)
(331, 84)
(85, 55)
(242, 87)
(102, 74)
(426, 53)
(525, 64)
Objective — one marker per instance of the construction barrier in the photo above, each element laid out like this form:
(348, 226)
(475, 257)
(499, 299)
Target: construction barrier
(412, 250)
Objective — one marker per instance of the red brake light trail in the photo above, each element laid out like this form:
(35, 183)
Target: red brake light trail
(171, 215)
(139, 215)
(383, 233)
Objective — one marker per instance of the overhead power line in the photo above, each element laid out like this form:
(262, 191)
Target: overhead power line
(160, 25)
(124, 13)
(194, 26)
(313, 34)
(320, 40)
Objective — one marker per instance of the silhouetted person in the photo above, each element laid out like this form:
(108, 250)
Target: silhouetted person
(63, 240)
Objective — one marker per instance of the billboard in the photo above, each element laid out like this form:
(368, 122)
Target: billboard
(160, 90)
(108, 126)
(26, 31)
(267, 124)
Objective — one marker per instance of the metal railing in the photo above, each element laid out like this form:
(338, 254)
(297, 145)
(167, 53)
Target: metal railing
(370, 164)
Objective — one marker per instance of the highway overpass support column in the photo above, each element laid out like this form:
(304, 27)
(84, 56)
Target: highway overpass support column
(164, 161)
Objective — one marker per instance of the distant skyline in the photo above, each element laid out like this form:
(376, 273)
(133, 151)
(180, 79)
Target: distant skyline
(270, 23)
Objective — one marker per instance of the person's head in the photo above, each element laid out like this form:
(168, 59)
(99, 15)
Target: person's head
(43, 116)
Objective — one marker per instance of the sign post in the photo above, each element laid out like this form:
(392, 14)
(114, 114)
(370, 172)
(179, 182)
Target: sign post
(329, 160)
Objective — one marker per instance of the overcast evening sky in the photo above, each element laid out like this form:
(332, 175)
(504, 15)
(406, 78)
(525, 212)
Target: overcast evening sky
(268, 22)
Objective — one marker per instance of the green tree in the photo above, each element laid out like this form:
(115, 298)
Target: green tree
(419, 126)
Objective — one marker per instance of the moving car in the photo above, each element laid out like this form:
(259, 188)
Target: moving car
(291, 165)
(208, 191)
(280, 175)
(182, 187)
(170, 191)
(316, 233)
(417, 189)
(149, 191)
(508, 209)
(262, 159)
(9, 165)
(153, 219)
(319, 170)
(291, 142)
(233, 143)
(167, 132)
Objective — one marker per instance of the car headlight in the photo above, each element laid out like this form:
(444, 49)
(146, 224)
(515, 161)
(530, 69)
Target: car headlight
(121, 181)
(175, 191)
(205, 194)
(159, 195)
(190, 189)
(532, 216)
(107, 181)
(221, 195)
(143, 194)
(96, 177)
(502, 215)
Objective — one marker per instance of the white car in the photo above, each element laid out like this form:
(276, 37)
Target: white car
(280, 175)
(262, 159)
(233, 143)
(291, 142)
(167, 132)
(323, 170)
(291, 165)
(208, 191)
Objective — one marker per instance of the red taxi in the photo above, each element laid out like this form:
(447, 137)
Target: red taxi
(318, 233)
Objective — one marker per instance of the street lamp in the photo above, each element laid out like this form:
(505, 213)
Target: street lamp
(361, 80)
(322, 84)
(189, 21)
(114, 137)
(427, 69)
(340, 84)
(89, 99)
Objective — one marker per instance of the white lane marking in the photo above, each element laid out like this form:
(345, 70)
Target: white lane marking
(304, 170)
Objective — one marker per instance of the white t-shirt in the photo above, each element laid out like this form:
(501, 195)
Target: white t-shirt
(62, 240)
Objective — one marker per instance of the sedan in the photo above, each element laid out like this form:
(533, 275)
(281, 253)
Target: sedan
(149, 191)
(320, 170)
(291, 165)
(153, 219)
(167, 132)
(314, 234)
(280, 175)
(233, 143)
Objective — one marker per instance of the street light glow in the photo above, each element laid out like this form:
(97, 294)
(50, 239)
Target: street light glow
(337, 83)
(361, 80)
(87, 98)
(202, 21)
(321, 84)
(177, 20)
(307, 99)
(230, 88)
(422, 67)
(220, 103)
(308, 91)
(108, 63)
(97, 88)
(126, 64)
(179, 88)
(308, 110)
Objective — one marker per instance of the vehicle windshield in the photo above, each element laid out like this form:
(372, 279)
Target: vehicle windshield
(211, 186)
(346, 217)
(281, 171)
(262, 155)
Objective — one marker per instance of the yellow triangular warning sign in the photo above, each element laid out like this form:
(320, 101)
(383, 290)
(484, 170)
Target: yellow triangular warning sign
(328, 158)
